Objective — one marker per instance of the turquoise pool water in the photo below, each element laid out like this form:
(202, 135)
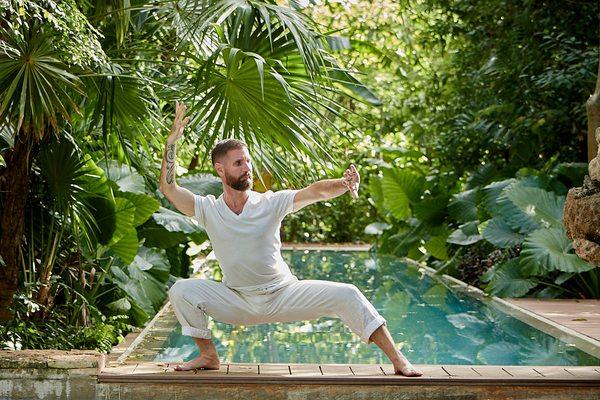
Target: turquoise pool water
(434, 324)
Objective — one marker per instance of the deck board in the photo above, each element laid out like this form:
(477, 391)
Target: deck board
(305, 370)
(326, 374)
(430, 371)
(583, 372)
(336, 370)
(462, 371)
(274, 369)
(366, 369)
(243, 369)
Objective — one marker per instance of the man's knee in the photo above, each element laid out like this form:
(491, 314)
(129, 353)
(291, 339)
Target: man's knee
(350, 291)
(179, 288)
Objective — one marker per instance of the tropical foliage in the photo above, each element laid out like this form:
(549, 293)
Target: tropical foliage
(84, 234)
(466, 121)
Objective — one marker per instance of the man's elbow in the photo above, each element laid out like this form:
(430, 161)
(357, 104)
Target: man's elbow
(165, 189)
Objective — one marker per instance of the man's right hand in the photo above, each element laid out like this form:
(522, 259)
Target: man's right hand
(179, 122)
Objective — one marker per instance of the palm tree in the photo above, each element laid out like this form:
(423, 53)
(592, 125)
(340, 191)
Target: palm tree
(250, 69)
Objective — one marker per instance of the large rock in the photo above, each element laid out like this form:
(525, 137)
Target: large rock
(582, 220)
(594, 167)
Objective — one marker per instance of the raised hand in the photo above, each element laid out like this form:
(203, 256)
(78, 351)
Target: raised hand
(351, 180)
(178, 123)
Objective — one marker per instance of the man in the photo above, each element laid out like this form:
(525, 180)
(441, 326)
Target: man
(257, 286)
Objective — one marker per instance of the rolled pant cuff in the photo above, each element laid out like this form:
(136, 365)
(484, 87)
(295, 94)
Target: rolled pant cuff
(372, 327)
(195, 332)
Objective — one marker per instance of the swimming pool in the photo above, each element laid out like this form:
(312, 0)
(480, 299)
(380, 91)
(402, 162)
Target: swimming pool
(433, 323)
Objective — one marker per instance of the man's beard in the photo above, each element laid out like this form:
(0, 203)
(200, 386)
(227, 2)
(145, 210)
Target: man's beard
(242, 183)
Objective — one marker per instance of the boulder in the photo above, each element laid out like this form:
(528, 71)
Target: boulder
(582, 221)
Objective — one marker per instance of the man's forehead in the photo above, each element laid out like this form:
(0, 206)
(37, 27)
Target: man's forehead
(238, 154)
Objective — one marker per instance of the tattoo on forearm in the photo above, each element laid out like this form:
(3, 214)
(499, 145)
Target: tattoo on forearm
(171, 163)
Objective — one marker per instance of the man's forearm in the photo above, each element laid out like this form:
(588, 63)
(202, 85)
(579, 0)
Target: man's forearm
(329, 188)
(169, 168)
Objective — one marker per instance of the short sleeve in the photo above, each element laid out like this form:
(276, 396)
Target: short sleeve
(282, 201)
(199, 209)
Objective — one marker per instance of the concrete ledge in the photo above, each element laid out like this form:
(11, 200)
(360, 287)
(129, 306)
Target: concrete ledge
(49, 374)
(58, 359)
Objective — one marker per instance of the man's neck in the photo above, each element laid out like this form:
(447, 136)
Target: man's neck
(235, 199)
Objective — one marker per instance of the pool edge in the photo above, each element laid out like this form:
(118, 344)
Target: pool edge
(558, 331)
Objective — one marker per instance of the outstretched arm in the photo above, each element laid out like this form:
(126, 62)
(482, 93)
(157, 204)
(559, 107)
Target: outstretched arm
(328, 189)
(180, 197)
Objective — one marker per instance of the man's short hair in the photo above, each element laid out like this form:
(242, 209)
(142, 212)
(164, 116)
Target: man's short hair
(223, 146)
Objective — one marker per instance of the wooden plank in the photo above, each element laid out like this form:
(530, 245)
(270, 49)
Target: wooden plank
(212, 372)
(583, 372)
(525, 372)
(274, 369)
(124, 369)
(492, 371)
(148, 368)
(553, 372)
(305, 370)
(461, 371)
(429, 371)
(242, 369)
(329, 370)
(366, 369)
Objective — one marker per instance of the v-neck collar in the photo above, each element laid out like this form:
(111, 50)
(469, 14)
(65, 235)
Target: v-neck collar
(246, 204)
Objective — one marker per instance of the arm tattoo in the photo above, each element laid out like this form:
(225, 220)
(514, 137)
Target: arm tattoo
(171, 163)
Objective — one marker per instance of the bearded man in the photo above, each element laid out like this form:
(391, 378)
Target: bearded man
(258, 286)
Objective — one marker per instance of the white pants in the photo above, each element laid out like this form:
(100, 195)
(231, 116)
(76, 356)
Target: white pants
(194, 299)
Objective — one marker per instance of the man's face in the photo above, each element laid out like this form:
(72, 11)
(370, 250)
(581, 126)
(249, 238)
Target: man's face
(237, 169)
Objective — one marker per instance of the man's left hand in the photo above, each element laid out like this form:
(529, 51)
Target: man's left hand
(351, 180)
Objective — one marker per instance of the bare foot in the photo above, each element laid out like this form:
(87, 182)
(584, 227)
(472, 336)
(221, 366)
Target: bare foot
(204, 361)
(404, 367)
(407, 370)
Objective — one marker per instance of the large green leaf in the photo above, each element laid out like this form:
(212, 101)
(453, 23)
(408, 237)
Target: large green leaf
(144, 279)
(508, 280)
(491, 193)
(465, 235)
(156, 235)
(463, 206)
(104, 212)
(498, 233)
(145, 206)
(432, 210)
(127, 246)
(545, 207)
(400, 188)
(501, 206)
(547, 250)
(175, 222)
(376, 194)
(127, 179)
(202, 184)
(125, 213)
(436, 246)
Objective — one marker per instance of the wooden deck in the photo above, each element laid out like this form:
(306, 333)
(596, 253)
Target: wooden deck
(582, 316)
(350, 374)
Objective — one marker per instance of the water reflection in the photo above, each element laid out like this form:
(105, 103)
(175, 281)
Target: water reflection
(432, 324)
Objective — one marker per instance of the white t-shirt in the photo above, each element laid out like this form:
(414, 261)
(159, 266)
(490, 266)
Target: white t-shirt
(247, 245)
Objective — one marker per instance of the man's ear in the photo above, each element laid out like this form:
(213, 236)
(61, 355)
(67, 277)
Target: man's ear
(219, 168)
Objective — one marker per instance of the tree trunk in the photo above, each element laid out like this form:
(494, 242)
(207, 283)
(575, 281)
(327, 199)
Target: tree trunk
(14, 186)
(593, 114)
